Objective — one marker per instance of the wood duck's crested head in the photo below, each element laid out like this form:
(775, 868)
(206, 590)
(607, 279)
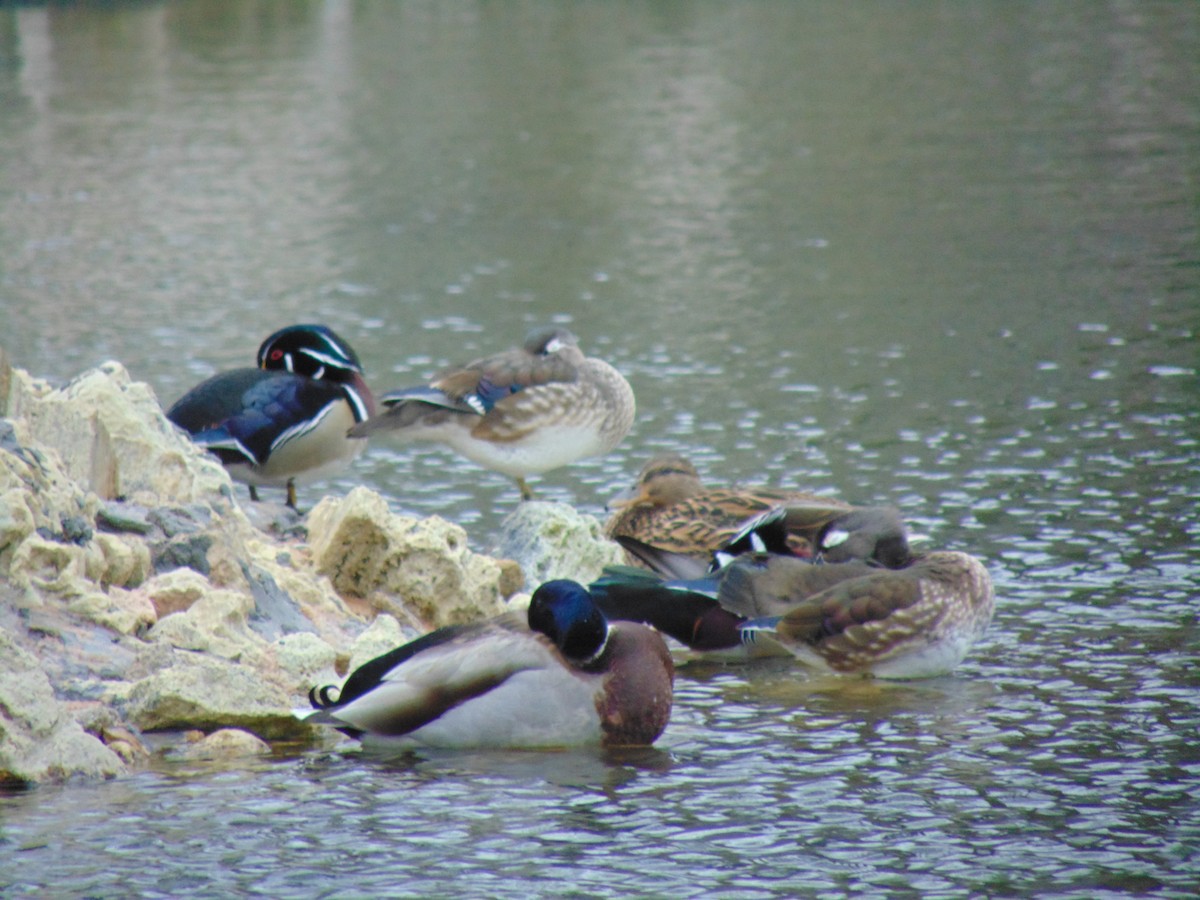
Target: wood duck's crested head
(565, 612)
(313, 351)
(547, 339)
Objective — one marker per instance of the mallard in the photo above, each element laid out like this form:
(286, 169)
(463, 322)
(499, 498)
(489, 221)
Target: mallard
(286, 420)
(560, 676)
(670, 509)
(848, 618)
(521, 412)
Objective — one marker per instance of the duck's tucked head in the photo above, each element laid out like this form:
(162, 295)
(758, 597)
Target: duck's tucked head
(874, 534)
(564, 611)
(314, 351)
(547, 339)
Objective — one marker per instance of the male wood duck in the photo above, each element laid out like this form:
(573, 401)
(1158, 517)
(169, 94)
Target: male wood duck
(847, 618)
(287, 419)
(671, 509)
(521, 412)
(561, 676)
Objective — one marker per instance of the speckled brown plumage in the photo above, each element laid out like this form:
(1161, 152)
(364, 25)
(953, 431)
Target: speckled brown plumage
(670, 508)
(872, 622)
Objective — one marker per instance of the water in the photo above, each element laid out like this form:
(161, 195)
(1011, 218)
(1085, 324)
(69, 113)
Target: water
(939, 256)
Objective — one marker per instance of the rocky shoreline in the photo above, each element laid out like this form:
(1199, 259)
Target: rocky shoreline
(139, 596)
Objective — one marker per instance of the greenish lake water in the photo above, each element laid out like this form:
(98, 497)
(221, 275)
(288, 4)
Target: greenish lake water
(942, 256)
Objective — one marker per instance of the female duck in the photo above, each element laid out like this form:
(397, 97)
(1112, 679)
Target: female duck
(521, 412)
(563, 677)
(670, 509)
(287, 419)
(848, 618)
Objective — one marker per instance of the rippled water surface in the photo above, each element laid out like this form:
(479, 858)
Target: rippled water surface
(943, 256)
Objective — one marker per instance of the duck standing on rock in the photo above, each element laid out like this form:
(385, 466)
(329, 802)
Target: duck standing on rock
(521, 412)
(561, 677)
(287, 419)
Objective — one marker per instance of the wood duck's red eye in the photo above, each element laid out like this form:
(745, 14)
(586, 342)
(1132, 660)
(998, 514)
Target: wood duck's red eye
(276, 354)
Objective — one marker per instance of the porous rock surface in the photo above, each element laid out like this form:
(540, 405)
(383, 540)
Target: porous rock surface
(137, 595)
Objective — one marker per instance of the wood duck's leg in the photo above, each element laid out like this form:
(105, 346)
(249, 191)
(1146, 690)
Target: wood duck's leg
(526, 490)
(253, 493)
(291, 494)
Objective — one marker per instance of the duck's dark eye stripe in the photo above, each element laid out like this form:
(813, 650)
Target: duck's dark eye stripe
(656, 472)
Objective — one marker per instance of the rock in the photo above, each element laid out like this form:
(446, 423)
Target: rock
(552, 540)
(384, 635)
(305, 659)
(402, 565)
(201, 691)
(227, 743)
(121, 611)
(39, 739)
(174, 591)
(113, 438)
(275, 612)
(216, 623)
(136, 595)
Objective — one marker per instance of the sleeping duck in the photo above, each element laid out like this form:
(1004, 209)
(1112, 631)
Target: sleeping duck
(671, 509)
(915, 621)
(561, 676)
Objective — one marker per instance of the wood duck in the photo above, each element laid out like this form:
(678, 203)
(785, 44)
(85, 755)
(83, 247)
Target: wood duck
(521, 412)
(847, 618)
(287, 419)
(560, 676)
(670, 508)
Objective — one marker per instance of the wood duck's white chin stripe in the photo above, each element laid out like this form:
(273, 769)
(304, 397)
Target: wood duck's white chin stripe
(357, 403)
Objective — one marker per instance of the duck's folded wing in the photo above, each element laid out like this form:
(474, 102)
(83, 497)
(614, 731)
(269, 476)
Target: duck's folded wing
(488, 381)
(775, 585)
(427, 684)
(879, 596)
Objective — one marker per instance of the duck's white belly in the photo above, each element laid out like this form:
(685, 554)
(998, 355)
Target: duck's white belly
(535, 708)
(543, 449)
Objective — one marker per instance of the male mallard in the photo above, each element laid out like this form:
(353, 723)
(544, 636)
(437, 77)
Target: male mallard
(562, 677)
(287, 419)
(852, 617)
(670, 509)
(521, 412)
